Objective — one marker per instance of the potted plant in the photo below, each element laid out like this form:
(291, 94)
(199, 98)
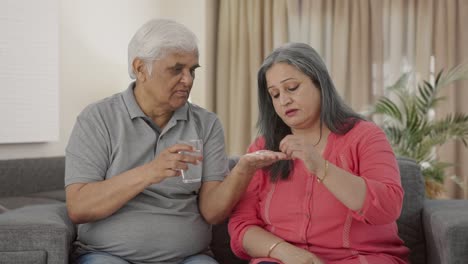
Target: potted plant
(407, 115)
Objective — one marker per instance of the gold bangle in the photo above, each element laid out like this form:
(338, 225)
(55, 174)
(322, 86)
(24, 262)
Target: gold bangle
(325, 173)
(273, 247)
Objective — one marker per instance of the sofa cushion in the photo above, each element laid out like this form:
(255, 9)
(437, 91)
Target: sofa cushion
(2, 209)
(446, 229)
(37, 228)
(410, 226)
(20, 201)
(24, 257)
(26, 176)
(58, 195)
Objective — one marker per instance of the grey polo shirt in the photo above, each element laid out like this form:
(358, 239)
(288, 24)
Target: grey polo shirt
(163, 223)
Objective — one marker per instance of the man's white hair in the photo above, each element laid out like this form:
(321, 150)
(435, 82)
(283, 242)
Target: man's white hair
(156, 38)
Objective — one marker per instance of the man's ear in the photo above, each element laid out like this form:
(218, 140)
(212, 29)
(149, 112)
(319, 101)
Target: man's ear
(139, 68)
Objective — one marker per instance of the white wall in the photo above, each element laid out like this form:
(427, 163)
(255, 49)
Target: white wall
(93, 56)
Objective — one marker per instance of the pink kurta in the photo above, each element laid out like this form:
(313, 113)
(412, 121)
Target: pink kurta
(304, 213)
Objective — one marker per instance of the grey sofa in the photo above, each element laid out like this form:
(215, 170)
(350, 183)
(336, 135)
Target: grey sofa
(34, 227)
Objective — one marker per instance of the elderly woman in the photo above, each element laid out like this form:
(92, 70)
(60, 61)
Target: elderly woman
(123, 161)
(337, 199)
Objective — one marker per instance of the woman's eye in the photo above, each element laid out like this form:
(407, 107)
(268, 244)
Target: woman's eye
(293, 88)
(275, 95)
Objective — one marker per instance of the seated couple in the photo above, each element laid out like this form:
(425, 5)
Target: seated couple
(316, 179)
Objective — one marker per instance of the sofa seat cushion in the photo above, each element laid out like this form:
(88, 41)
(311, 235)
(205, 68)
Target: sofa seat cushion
(3, 209)
(37, 228)
(24, 257)
(446, 230)
(20, 201)
(58, 195)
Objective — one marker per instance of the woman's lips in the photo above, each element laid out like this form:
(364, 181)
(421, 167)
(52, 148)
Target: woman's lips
(290, 112)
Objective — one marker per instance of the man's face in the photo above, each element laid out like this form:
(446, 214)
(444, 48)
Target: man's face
(171, 79)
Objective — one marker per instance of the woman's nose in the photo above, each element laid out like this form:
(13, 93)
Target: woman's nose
(285, 99)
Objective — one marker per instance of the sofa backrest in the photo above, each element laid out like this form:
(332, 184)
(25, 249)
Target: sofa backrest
(410, 226)
(32, 175)
(23, 176)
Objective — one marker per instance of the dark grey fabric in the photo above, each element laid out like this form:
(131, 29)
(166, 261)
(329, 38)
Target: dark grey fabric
(58, 195)
(446, 227)
(24, 176)
(14, 202)
(37, 228)
(2, 208)
(220, 241)
(409, 223)
(24, 257)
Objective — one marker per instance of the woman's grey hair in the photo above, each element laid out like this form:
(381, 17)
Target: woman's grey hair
(156, 38)
(334, 113)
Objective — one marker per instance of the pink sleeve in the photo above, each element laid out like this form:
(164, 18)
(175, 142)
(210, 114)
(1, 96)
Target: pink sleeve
(245, 214)
(379, 169)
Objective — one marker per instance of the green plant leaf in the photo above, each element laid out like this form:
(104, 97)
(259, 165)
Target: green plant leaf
(410, 129)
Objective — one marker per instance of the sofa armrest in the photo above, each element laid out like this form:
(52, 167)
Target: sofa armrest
(41, 230)
(446, 230)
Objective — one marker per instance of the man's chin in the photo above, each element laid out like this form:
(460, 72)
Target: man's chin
(179, 103)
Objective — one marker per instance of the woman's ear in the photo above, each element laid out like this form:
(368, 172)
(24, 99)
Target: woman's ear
(139, 68)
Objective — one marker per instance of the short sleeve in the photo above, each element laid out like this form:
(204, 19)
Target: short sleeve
(87, 157)
(215, 162)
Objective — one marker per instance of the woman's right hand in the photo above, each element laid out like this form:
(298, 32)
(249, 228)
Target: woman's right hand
(290, 254)
(251, 162)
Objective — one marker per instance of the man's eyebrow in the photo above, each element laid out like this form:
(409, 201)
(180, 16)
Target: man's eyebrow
(183, 65)
(285, 80)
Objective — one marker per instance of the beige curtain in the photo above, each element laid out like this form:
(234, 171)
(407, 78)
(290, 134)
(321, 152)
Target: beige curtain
(366, 45)
(248, 30)
(450, 46)
(341, 32)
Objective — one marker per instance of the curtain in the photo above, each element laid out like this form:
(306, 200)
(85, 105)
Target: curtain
(366, 45)
(341, 33)
(247, 32)
(450, 47)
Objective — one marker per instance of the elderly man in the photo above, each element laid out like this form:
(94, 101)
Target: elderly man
(123, 162)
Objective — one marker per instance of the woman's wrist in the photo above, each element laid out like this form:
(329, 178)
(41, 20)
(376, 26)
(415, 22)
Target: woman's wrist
(323, 173)
(273, 246)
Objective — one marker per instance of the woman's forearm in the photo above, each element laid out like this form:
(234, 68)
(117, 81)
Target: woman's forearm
(257, 242)
(346, 187)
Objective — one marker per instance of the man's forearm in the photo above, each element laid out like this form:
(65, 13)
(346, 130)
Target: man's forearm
(94, 201)
(217, 199)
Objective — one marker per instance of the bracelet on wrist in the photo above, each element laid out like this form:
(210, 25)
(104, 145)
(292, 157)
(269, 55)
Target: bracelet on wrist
(325, 173)
(273, 247)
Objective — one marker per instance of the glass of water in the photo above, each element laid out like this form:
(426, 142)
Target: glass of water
(194, 172)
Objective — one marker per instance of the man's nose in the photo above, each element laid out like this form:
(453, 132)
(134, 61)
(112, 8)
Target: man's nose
(187, 78)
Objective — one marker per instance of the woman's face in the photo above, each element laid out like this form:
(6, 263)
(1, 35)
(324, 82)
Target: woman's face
(295, 98)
